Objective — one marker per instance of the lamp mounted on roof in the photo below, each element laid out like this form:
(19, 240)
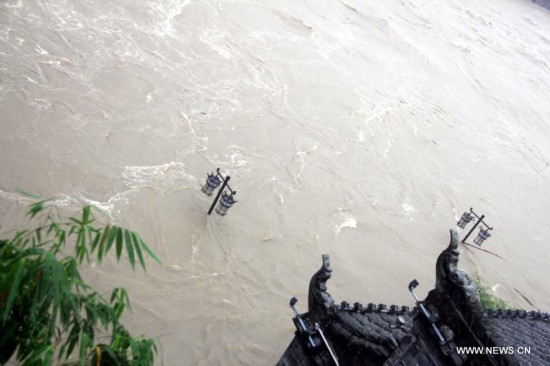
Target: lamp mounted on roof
(483, 231)
(213, 181)
(429, 316)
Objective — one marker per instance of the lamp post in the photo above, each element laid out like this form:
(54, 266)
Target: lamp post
(483, 232)
(212, 182)
(429, 316)
(227, 201)
(481, 236)
(465, 219)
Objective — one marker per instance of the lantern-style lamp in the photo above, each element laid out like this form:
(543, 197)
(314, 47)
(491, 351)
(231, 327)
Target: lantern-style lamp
(465, 219)
(482, 236)
(226, 201)
(213, 181)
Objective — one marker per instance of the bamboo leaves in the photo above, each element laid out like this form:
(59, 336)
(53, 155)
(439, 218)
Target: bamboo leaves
(47, 309)
(106, 240)
(129, 248)
(123, 239)
(147, 249)
(137, 244)
(15, 277)
(37, 207)
(118, 242)
(119, 301)
(90, 240)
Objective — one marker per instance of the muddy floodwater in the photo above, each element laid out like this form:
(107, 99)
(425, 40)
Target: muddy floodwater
(359, 129)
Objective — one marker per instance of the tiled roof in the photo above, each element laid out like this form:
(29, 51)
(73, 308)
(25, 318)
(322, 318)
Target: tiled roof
(527, 335)
(375, 327)
(451, 317)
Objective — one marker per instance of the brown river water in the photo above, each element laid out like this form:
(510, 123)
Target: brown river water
(360, 129)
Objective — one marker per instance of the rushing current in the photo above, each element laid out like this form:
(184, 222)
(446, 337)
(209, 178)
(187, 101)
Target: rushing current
(359, 129)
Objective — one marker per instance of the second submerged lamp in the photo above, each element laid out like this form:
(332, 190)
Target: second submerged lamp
(483, 231)
(213, 181)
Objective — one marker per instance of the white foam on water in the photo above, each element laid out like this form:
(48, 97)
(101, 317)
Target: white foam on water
(41, 103)
(360, 136)
(31, 80)
(65, 201)
(14, 197)
(217, 41)
(166, 178)
(345, 221)
(106, 207)
(13, 5)
(109, 207)
(40, 50)
(167, 11)
(408, 208)
(74, 201)
(350, 222)
(237, 157)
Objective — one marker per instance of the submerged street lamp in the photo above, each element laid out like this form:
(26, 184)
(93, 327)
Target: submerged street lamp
(481, 236)
(227, 201)
(483, 232)
(465, 219)
(212, 182)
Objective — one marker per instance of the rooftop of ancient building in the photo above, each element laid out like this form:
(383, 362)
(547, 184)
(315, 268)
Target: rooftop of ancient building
(432, 333)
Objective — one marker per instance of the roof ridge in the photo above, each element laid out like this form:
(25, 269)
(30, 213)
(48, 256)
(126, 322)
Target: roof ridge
(516, 313)
(374, 308)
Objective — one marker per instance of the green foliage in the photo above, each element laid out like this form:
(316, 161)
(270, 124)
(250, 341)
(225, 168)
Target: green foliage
(47, 312)
(488, 300)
